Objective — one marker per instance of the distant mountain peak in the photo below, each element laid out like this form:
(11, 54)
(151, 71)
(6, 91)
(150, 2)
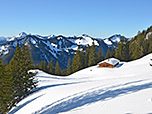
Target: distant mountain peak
(22, 34)
(51, 36)
(84, 35)
(114, 39)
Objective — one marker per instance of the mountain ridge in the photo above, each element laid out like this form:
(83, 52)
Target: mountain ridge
(59, 48)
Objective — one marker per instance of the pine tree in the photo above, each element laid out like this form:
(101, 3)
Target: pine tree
(76, 65)
(25, 65)
(146, 46)
(41, 65)
(99, 55)
(51, 67)
(92, 55)
(141, 51)
(136, 46)
(69, 70)
(6, 89)
(44, 66)
(113, 52)
(108, 55)
(82, 59)
(126, 51)
(57, 69)
(87, 56)
(14, 67)
(119, 51)
(134, 51)
(19, 66)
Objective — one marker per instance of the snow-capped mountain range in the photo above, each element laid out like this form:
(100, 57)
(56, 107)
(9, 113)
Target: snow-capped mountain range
(59, 48)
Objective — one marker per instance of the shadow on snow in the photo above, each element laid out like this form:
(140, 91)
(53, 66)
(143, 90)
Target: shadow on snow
(22, 105)
(89, 98)
(49, 86)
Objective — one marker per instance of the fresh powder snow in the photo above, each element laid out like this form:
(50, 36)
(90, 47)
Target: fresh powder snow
(123, 90)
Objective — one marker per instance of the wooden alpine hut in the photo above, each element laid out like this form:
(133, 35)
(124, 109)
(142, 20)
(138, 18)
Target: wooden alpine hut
(109, 63)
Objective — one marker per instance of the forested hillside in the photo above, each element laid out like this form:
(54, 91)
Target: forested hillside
(127, 50)
(15, 80)
(136, 47)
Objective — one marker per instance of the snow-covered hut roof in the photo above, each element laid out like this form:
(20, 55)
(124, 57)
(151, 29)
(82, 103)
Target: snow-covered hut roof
(112, 61)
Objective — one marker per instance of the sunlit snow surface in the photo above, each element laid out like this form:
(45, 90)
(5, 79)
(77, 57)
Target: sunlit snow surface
(107, 42)
(86, 40)
(123, 90)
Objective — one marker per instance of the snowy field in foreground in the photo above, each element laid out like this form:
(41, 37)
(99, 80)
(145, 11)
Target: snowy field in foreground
(123, 90)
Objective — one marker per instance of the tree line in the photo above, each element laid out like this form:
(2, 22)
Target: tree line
(82, 59)
(127, 50)
(15, 80)
(135, 48)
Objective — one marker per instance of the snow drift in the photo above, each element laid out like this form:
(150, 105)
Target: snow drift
(123, 90)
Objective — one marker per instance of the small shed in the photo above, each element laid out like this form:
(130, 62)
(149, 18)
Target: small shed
(109, 63)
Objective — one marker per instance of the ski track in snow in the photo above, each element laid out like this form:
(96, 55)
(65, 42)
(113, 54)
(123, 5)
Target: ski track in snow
(21, 106)
(85, 98)
(77, 95)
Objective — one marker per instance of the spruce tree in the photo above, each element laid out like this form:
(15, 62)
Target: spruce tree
(108, 55)
(118, 54)
(41, 65)
(82, 59)
(99, 55)
(141, 51)
(44, 66)
(87, 56)
(19, 66)
(51, 67)
(6, 89)
(136, 46)
(25, 65)
(14, 67)
(135, 51)
(57, 69)
(146, 46)
(126, 51)
(113, 52)
(76, 65)
(92, 55)
(69, 70)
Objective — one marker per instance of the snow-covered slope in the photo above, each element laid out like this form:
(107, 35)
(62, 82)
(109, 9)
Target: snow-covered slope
(123, 90)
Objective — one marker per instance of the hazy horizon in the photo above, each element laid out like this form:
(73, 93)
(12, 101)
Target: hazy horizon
(97, 18)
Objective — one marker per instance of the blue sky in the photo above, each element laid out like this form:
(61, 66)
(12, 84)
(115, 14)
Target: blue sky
(97, 18)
